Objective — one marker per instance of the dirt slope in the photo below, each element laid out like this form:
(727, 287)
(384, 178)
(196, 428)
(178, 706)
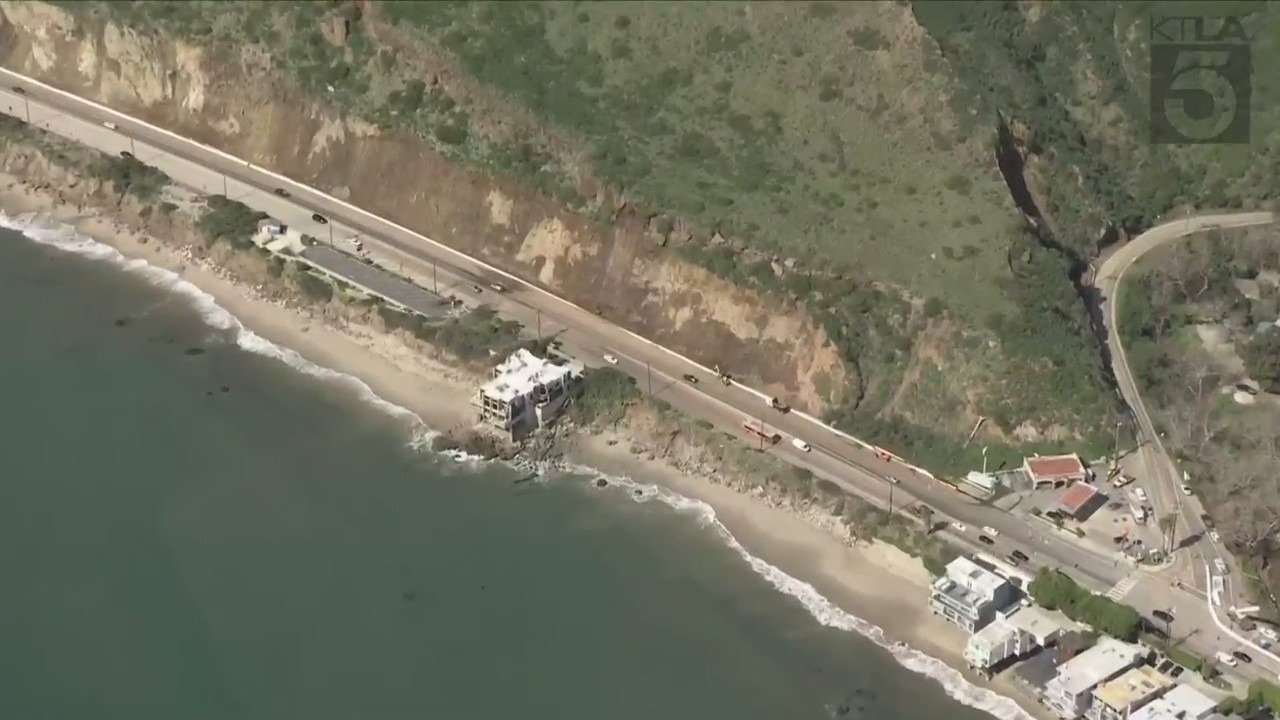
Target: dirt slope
(229, 98)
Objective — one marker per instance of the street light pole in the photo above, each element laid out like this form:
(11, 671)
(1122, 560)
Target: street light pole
(648, 374)
(435, 287)
(330, 234)
(538, 316)
(224, 189)
(890, 498)
(27, 102)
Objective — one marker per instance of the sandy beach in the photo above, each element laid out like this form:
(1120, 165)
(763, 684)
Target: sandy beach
(873, 581)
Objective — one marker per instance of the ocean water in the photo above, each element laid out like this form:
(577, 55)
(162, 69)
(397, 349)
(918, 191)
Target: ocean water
(197, 524)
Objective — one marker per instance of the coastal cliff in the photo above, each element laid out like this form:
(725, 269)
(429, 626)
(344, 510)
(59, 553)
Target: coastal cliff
(617, 267)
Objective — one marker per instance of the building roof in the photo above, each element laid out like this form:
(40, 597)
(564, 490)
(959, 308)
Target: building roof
(1104, 660)
(1133, 688)
(519, 374)
(1038, 622)
(1055, 466)
(1077, 497)
(997, 633)
(1181, 703)
(974, 578)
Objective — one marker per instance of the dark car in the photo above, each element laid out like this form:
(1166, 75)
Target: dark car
(691, 379)
(282, 192)
(1020, 555)
(320, 218)
(126, 154)
(477, 289)
(1163, 615)
(986, 540)
(1241, 656)
(1208, 521)
(19, 90)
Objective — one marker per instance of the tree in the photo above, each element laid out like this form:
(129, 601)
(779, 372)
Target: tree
(1262, 358)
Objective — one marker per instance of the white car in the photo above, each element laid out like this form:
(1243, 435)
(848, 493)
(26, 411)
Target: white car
(800, 445)
(1220, 566)
(1140, 494)
(1226, 659)
(959, 527)
(109, 125)
(1214, 536)
(990, 530)
(1186, 490)
(610, 359)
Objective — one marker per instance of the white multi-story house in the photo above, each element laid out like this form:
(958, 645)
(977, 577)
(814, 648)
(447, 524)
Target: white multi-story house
(970, 595)
(526, 392)
(1070, 693)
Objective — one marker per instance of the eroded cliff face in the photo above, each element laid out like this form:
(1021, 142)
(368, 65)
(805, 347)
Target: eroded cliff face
(232, 99)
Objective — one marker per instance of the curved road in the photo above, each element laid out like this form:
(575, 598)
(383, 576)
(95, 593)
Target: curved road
(1161, 476)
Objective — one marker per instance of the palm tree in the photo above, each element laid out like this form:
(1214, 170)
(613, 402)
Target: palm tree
(1168, 526)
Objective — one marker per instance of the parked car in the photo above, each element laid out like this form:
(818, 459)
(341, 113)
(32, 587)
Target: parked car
(1140, 494)
(691, 379)
(497, 287)
(109, 125)
(320, 218)
(959, 527)
(1225, 659)
(281, 192)
(19, 90)
(1163, 615)
(126, 154)
(476, 289)
(1214, 536)
(1220, 566)
(986, 540)
(1020, 555)
(1242, 656)
(1186, 490)
(1208, 521)
(800, 445)
(990, 531)
(610, 359)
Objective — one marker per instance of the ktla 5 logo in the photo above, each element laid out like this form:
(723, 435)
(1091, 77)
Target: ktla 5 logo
(1201, 81)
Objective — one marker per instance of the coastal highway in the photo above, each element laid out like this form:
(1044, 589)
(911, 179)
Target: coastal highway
(834, 455)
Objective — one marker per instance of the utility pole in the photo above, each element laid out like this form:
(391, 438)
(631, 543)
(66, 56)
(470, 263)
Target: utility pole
(133, 150)
(227, 194)
(330, 234)
(27, 102)
(435, 286)
(891, 498)
(538, 315)
(648, 374)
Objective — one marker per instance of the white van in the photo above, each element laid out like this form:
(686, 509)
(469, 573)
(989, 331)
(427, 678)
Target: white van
(1226, 659)
(800, 445)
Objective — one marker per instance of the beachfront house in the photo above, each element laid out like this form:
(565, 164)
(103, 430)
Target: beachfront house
(969, 595)
(1118, 698)
(525, 392)
(1070, 693)
(994, 644)
(1181, 703)
(1013, 634)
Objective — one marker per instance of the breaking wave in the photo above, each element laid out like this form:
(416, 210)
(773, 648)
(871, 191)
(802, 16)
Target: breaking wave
(65, 238)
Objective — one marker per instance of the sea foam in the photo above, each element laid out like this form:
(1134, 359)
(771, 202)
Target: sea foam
(65, 238)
